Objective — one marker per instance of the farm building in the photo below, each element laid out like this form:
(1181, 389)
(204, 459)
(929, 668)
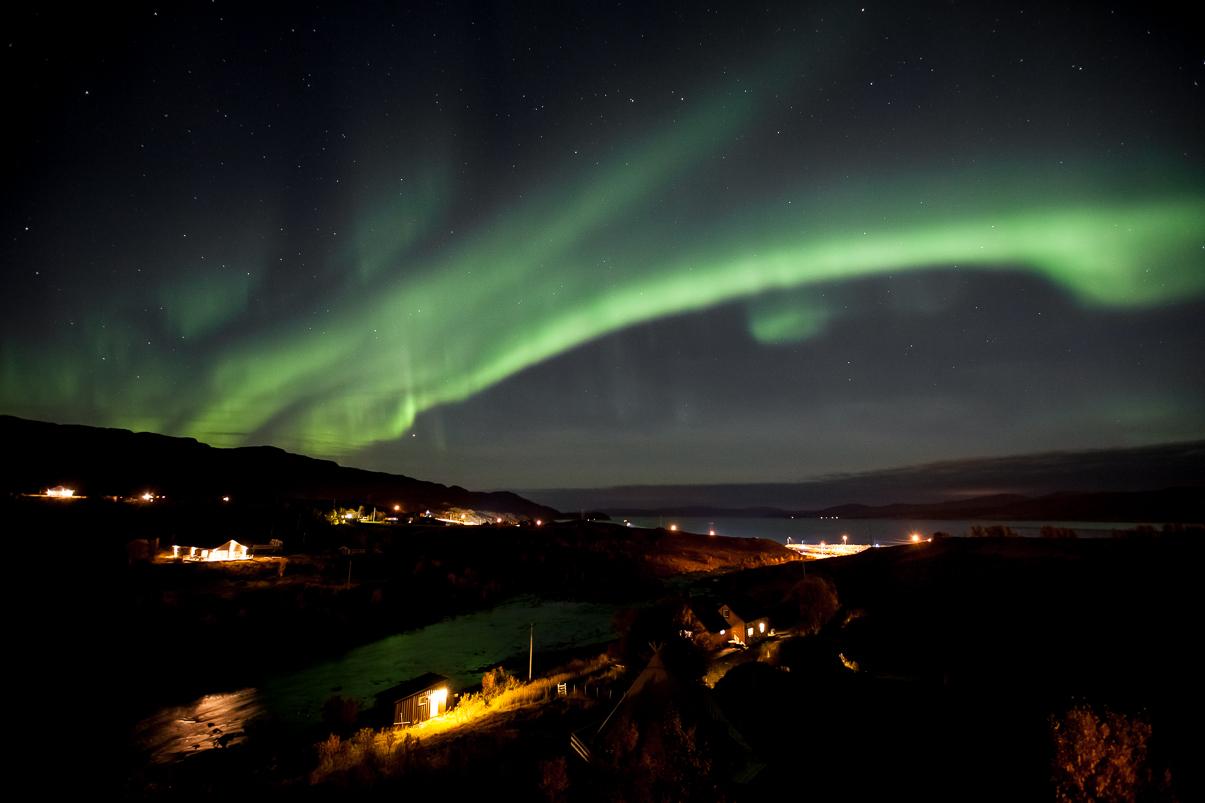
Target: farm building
(745, 631)
(231, 550)
(425, 697)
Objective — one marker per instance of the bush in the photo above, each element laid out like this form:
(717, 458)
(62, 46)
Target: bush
(816, 598)
(992, 531)
(497, 681)
(339, 714)
(1100, 756)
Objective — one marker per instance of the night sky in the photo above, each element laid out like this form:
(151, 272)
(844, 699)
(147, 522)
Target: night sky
(524, 245)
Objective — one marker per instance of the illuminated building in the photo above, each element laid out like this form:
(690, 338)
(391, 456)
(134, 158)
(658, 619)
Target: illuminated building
(425, 697)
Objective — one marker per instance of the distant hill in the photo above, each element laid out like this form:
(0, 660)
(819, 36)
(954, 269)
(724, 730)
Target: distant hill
(1186, 505)
(1065, 482)
(38, 455)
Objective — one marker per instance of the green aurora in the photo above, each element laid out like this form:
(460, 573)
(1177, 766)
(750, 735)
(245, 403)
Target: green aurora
(507, 302)
(426, 319)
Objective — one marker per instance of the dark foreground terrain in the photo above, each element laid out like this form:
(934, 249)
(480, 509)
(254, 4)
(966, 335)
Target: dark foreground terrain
(109, 628)
(980, 668)
(1006, 669)
(967, 669)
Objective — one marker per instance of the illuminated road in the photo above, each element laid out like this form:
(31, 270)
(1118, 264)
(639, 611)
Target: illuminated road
(822, 550)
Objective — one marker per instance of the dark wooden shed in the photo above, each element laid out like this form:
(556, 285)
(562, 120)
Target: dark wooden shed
(417, 700)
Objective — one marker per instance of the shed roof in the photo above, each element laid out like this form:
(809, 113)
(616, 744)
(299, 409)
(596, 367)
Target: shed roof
(409, 688)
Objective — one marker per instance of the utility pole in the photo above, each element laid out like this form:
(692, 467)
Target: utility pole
(348, 574)
(531, 648)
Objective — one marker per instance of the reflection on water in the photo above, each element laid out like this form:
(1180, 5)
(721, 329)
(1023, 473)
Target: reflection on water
(211, 722)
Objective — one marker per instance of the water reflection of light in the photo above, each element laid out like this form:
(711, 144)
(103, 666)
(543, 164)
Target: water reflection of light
(212, 721)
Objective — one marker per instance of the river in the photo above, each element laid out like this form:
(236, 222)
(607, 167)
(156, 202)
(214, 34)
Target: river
(462, 648)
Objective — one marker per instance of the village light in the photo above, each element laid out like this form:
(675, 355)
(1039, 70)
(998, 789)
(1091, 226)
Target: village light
(147, 496)
(397, 508)
(761, 627)
(750, 633)
(225, 498)
(673, 528)
(59, 492)
(539, 522)
(845, 539)
(916, 538)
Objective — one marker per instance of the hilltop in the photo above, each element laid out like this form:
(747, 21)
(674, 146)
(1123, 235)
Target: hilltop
(118, 462)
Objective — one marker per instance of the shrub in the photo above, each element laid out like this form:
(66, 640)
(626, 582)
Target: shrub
(1100, 756)
(992, 531)
(339, 713)
(816, 598)
(496, 681)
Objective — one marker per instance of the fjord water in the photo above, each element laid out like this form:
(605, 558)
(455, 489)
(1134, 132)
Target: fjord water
(884, 532)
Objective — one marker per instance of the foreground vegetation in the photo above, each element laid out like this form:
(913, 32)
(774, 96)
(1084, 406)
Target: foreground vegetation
(999, 669)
